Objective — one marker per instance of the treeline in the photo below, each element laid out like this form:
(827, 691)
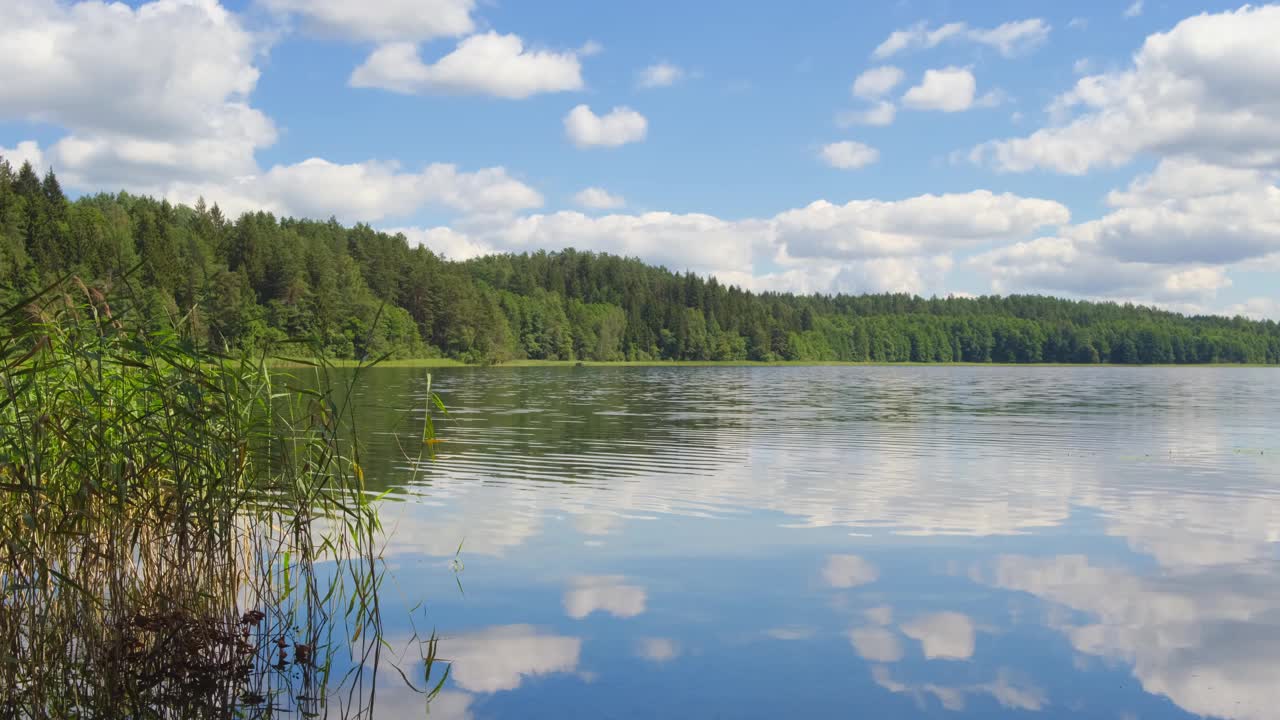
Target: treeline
(256, 281)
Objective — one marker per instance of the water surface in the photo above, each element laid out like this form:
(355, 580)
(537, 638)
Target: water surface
(837, 541)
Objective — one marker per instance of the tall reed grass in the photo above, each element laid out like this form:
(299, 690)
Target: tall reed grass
(182, 533)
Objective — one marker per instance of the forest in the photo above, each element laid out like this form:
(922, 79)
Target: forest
(257, 282)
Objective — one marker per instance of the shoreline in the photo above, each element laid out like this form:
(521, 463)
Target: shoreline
(513, 364)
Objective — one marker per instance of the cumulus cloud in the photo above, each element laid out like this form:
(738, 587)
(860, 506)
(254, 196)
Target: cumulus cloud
(1258, 308)
(1192, 91)
(619, 126)
(1134, 9)
(1076, 267)
(598, 199)
(848, 155)
(24, 152)
(604, 593)
(876, 82)
(381, 20)
(485, 64)
(1009, 39)
(874, 228)
(366, 192)
(659, 75)
(944, 635)
(880, 114)
(863, 245)
(703, 243)
(1186, 211)
(846, 571)
(1169, 238)
(445, 241)
(500, 658)
(146, 93)
(911, 274)
(950, 89)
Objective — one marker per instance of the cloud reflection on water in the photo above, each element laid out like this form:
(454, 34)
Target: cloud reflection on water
(1172, 529)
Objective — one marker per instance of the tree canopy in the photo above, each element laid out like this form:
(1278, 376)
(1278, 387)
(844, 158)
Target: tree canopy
(259, 280)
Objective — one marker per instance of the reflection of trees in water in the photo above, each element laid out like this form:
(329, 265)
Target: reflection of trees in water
(1139, 455)
(967, 451)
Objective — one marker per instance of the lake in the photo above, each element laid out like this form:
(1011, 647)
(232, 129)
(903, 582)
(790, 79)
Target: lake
(879, 542)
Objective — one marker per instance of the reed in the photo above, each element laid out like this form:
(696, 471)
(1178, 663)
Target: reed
(182, 533)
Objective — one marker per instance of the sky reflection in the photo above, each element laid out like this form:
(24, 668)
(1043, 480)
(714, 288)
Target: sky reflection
(893, 542)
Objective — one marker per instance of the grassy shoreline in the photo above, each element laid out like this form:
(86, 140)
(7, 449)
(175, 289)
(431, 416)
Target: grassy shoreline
(449, 363)
(174, 523)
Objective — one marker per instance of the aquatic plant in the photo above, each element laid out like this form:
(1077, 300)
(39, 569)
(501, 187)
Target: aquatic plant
(182, 533)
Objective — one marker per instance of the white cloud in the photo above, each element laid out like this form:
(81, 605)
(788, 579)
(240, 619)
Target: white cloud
(1196, 281)
(1013, 38)
(499, 658)
(598, 199)
(863, 245)
(694, 241)
(381, 20)
(1076, 267)
(950, 89)
(1009, 39)
(849, 155)
(944, 635)
(876, 644)
(365, 192)
(915, 274)
(927, 223)
(619, 126)
(24, 152)
(445, 241)
(876, 82)
(658, 650)
(1192, 92)
(917, 36)
(605, 593)
(146, 94)
(487, 64)
(1170, 238)
(846, 571)
(1189, 212)
(1134, 9)
(658, 75)
(992, 98)
(1258, 308)
(880, 114)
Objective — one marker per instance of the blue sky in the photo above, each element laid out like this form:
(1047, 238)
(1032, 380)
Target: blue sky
(1106, 149)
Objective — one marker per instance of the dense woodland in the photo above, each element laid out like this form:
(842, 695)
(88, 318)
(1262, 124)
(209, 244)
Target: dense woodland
(256, 281)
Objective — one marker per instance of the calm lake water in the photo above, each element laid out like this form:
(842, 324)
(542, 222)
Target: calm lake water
(837, 541)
